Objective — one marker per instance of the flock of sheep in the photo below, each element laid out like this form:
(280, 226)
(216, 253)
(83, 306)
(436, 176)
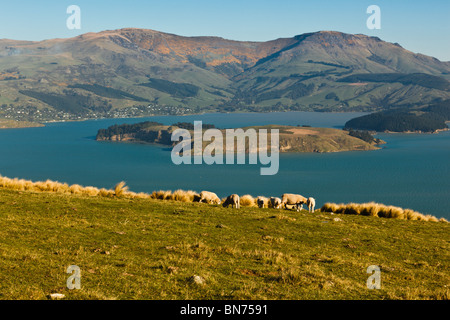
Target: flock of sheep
(290, 199)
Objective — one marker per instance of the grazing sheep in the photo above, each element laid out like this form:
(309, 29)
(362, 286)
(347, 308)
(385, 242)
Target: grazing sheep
(262, 201)
(293, 199)
(233, 200)
(209, 197)
(311, 203)
(275, 202)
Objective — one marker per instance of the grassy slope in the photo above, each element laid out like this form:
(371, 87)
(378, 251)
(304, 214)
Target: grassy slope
(125, 249)
(321, 140)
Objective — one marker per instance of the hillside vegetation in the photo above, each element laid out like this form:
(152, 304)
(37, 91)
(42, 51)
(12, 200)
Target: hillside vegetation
(143, 248)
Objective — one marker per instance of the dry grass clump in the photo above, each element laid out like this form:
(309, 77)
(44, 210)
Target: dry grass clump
(105, 193)
(191, 195)
(431, 218)
(184, 196)
(91, 191)
(352, 208)
(247, 201)
(75, 189)
(47, 186)
(120, 189)
(15, 184)
(161, 195)
(141, 195)
(378, 210)
(330, 207)
(410, 214)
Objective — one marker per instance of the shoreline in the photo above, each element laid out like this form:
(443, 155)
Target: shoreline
(15, 124)
(201, 113)
(416, 132)
(43, 123)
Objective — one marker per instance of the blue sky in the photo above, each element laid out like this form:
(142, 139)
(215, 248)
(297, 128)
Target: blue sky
(419, 26)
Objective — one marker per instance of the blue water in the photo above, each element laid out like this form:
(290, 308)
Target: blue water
(412, 170)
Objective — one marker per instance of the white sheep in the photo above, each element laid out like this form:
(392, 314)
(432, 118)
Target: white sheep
(209, 197)
(293, 199)
(311, 203)
(275, 202)
(233, 200)
(262, 201)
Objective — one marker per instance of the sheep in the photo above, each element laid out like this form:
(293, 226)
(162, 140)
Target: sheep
(275, 202)
(262, 201)
(233, 200)
(311, 203)
(209, 197)
(293, 199)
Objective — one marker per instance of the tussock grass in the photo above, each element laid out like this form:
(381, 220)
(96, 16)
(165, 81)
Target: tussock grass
(161, 195)
(184, 196)
(91, 191)
(378, 210)
(248, 201)
(105, 193)
(120, 189)
(141, 195)
(75, 189)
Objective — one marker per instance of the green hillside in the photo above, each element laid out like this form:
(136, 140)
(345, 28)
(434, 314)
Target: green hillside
(150, 249)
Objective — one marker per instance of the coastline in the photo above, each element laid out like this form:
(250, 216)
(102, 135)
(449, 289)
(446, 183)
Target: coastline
(15, 124)
(29, 124)
(417, 132)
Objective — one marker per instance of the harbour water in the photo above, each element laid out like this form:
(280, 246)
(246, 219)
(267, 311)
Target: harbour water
(411, 170)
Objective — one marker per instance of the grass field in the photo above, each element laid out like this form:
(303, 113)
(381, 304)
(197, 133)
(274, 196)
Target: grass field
(151, 249)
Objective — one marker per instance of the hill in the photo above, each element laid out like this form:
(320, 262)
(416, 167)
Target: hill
(130, 248)
(292, 139)
(135, 72)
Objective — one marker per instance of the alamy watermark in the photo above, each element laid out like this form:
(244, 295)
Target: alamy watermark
(192, 150)
(74, 281)
(74, 20)
(374, 21)
(374, 281)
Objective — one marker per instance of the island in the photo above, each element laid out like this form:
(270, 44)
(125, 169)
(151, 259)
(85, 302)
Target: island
(292, 138)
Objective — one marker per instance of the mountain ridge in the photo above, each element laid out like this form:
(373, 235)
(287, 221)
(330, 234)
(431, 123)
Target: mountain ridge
(99, 73)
